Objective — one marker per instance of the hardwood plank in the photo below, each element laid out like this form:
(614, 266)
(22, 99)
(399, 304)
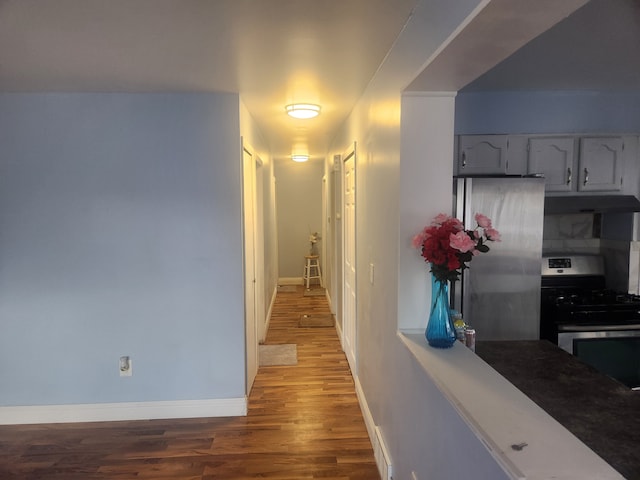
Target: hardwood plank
(304, 422)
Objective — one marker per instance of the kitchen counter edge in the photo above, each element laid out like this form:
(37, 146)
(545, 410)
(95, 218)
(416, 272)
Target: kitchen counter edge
(481, 395)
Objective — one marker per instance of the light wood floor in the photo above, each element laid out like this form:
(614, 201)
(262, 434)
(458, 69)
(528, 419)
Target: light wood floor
(304, 422)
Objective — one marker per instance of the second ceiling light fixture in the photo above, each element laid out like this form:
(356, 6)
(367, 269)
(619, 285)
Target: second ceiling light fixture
(303, 110)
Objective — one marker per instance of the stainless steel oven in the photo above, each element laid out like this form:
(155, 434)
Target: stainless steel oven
(570, 338)
(613, 352)
(599, 326)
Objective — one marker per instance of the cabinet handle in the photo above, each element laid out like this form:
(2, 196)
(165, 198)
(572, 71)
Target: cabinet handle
(569, 176)
(464, 159)
(586, 176)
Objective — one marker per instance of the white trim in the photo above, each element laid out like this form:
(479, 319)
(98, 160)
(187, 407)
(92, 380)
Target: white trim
(445, 94)
(383, 461)
(269, 312)
(109, 412)
(290, 281)
(366, 412)
(328, 297)
(339, 331)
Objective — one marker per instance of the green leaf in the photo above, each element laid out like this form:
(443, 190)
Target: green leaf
(465, 257)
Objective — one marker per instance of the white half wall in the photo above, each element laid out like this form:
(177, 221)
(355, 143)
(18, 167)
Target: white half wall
(426, 176)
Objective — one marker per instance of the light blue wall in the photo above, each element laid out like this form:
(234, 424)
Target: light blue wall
(547, 112)
(120, 234)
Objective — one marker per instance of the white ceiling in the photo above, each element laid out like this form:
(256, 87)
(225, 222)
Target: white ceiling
(276, 52)
(273, 52)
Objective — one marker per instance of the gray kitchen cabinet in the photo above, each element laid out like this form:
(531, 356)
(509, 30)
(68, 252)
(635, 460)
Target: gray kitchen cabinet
(600, 164)
(482, 154)
(554, 158)
(597, 165)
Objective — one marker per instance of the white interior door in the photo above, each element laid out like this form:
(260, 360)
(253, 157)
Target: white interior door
(349, 332)
(251, 337)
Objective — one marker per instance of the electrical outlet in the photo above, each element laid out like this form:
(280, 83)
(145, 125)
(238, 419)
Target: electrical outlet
(126, 367)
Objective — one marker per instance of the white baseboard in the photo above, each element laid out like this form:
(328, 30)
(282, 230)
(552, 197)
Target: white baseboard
(381, 454)
(366, 413)
(110, 412)
(339, 331)
(290, 281)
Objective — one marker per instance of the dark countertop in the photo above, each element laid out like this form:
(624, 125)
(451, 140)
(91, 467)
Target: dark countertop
(603, 413)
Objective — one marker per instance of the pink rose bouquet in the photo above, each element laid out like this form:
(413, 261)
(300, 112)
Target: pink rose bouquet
(449, 247)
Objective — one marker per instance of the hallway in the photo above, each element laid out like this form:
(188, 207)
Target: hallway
(304, 422)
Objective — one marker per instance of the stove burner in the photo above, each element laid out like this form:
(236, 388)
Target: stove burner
(628, 298)
(575, 297)
(585, 306)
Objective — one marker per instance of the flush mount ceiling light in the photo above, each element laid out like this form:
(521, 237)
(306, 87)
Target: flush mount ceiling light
(303, 110)
(299, 158)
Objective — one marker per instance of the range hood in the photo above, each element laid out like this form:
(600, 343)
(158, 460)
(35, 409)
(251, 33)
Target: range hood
(591, 204)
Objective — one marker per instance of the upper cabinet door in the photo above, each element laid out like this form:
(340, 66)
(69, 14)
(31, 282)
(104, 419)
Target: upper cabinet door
(600, 164)
(482, 154)
(554, 158)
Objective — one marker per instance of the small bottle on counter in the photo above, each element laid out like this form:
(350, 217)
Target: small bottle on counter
(458, 324)
(470, 338)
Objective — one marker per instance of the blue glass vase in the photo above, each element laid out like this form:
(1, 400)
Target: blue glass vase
(440, 331)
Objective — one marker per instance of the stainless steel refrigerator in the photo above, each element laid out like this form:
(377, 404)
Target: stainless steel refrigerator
(499, 294)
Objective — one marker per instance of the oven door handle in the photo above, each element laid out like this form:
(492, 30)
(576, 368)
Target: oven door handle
(597, 328)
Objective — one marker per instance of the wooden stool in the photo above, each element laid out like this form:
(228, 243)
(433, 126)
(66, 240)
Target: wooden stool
(312, 269)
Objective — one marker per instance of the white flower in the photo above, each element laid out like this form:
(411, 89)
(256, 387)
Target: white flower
(313, 238)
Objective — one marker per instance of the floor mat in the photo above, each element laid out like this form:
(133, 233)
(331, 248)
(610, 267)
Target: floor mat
(287, 289)
(281, 354)
(314, 292)
(317, 320)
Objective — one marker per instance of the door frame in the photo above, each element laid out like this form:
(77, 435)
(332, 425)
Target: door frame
(259, 249)
(253, 257)
(349, 331)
